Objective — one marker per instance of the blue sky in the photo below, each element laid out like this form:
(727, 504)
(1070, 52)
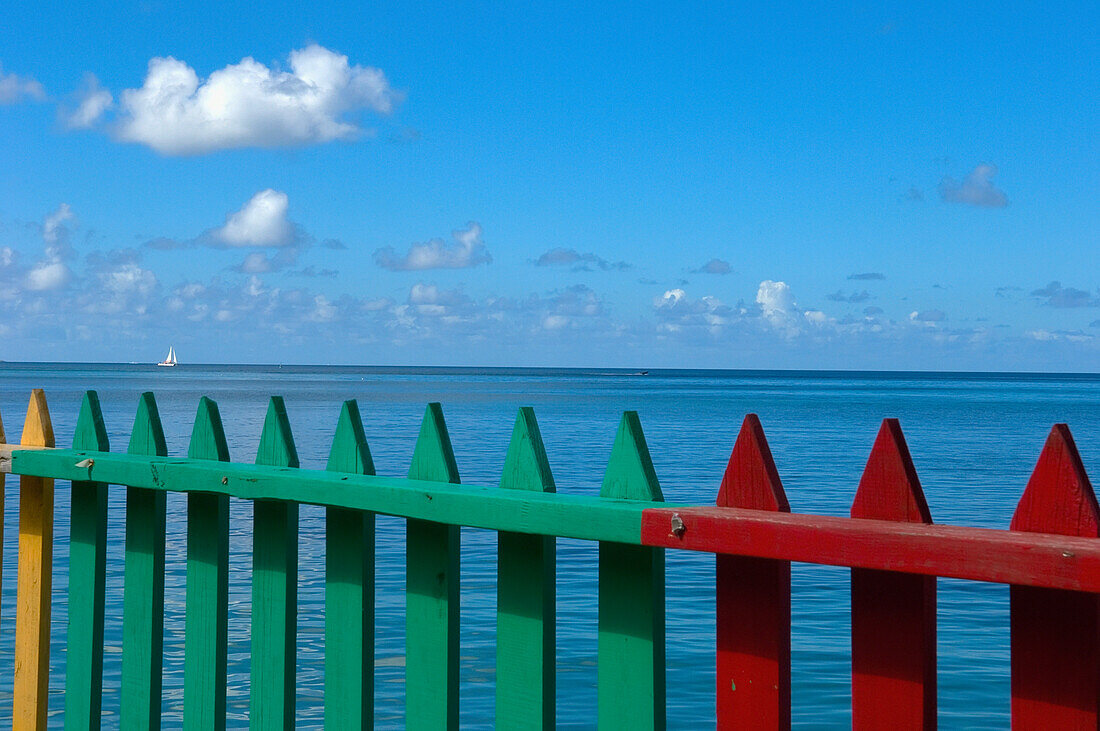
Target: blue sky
(688, 185)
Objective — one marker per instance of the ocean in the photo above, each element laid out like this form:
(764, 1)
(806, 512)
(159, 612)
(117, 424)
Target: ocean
(974, 438)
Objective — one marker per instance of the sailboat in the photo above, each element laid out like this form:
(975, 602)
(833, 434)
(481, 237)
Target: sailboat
(170, 359)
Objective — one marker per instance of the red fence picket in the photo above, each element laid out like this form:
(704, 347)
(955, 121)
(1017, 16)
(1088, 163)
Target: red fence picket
(1056, 633)
(893, 614)
(753, 661)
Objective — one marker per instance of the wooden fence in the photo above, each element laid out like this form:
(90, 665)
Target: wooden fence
(1049, 556)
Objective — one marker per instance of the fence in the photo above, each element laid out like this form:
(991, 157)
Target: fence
(1050, 557)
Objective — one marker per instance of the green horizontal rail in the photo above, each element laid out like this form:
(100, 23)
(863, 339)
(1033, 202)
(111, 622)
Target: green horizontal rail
(519, 511)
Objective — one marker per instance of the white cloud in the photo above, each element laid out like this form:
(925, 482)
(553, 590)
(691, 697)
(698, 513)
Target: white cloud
(94, 102)
(48, 275)
(129, 278)
(14, 88)
(51, 272)
(52, 228)
(777, 303)
(976, 189)
(467, 251)
(261, 222)
(555, 322)
(669, 298)
(251, 105)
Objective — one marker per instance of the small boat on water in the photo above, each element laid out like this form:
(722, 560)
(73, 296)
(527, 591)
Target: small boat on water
(170, 359)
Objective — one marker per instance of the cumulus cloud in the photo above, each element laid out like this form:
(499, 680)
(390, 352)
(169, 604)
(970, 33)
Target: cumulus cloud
(249, 104)
(777, 303)
(976, 189)
(578, 261)
(867, 275)
(14, 88)
(47, 275)
(467, 251)
(92, 102)
(261, 222)
(52, 272)
(714, 266)
(1058, 296)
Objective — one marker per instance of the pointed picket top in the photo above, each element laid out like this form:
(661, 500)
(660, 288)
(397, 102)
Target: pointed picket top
(630, 474)
(889, 488)
(350, 452)
(526, 466)
(37, 428)
(207, 435)
(1059, 496)
(433, 458)
(276, 442)
(751, 479)
(147, 436)
(3, 436)
(91, 431)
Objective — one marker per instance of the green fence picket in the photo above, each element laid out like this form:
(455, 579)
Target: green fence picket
(207, 604)
(525, 594)
(631, 644)
(349, 588)
(431, 591)
(143, 582)
(274, 585)
(87, 578)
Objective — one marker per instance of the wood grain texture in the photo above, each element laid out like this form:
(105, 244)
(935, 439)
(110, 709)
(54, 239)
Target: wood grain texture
(1056, 634)
(35, 579)
(87, 579)
(143, 582)
(432, 591)
(631, 614)
(274, 586)
(207, 598)
(753, 617)
(349, 587)
(979, 554)
(522, 511)
(526, 599)
(893, 615)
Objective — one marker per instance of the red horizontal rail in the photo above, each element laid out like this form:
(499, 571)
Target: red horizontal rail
(980, 554)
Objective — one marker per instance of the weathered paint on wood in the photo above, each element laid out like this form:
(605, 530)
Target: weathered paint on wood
(349, 587)
(522, 511)
(274, 585)
(977, 554)
(207, 602)
(35, 579)
(526, 599)
(631, 633)
(893, 614)
(143, 582)
(432, 591)
(753, 618)
(87, 579)
(1056, 634)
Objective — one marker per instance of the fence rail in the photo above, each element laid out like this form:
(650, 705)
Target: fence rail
(1049, 556)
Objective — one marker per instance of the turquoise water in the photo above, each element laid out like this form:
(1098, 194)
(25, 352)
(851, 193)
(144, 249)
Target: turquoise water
(974, 439)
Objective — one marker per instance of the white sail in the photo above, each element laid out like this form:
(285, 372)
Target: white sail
(170, 359)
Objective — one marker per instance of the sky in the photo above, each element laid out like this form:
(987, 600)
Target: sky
(684, 185)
